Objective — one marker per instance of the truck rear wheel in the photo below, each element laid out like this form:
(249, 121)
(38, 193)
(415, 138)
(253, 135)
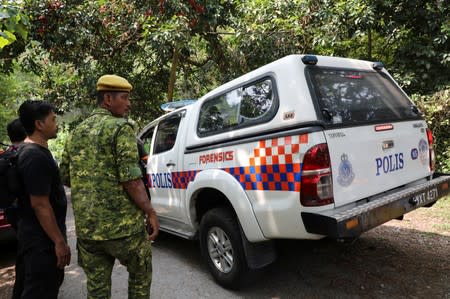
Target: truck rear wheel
(221, 246)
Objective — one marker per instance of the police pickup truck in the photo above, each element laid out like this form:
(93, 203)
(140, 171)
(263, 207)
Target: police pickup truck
(302, 148)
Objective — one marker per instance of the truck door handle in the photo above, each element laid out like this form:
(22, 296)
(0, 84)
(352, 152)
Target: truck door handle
(170, 164)
(387, 144)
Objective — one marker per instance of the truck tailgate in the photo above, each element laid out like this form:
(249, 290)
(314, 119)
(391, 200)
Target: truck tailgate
(370, 159)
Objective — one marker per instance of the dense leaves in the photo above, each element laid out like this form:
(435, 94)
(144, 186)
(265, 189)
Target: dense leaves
(14, 89)
(410, 36)
(13, 33)
(182, 49)
(90, 38)
(194, 45)
(437, 113)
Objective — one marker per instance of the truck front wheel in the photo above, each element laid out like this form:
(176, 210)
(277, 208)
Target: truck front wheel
(221, 246)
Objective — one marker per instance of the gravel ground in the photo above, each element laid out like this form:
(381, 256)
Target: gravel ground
(400, 259)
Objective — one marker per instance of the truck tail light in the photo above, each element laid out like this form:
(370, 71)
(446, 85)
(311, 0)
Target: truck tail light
(316, 187)
(430, 146)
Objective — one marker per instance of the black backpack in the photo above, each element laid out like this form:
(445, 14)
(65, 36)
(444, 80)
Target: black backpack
(9, 178)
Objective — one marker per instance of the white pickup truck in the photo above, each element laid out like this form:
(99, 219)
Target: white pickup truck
(302, 148)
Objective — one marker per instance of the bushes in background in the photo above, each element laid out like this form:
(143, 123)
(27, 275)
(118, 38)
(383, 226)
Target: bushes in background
(436, 109)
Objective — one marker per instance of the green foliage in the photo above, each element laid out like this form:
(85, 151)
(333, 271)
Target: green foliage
(60, 82)
(410, 36)
(437, 113)
(16, 88)
(135, 39)
(78, 41)
(56, 146)
(13, 24)
(268, 30)
(6, 115)
(13, 33)
(71, 43)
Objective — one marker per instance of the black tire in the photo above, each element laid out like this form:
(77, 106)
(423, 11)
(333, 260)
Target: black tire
(227, 263)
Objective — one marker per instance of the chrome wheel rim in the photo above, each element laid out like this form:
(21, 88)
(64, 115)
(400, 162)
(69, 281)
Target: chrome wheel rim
(220, 249)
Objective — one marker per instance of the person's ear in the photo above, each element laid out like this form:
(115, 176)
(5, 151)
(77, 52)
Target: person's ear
(38, 124)
(107, 99)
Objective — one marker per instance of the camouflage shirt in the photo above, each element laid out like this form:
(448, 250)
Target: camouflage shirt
(99, 155)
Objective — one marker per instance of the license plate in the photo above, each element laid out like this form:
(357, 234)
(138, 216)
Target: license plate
(426, 196)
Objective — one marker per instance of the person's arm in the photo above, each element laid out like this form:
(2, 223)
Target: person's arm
(136, 190)
(46, 217)
(130, 175)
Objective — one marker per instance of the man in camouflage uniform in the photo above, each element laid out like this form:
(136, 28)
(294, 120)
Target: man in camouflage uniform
(101, 165)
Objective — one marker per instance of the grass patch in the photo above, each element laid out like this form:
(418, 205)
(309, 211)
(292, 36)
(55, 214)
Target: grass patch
(441, 213)
(442, 227)
(442, 208)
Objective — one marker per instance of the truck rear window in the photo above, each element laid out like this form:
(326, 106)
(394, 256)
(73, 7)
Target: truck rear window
(353, 96)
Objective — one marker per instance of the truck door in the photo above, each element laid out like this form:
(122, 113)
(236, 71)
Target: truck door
(162, 163)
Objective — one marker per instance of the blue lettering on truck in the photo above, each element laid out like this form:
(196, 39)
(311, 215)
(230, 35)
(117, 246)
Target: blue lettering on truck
(161, 180)
(389, 163)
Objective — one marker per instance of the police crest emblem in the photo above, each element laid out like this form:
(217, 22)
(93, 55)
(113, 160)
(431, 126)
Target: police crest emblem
(423, 151)
(346, 175)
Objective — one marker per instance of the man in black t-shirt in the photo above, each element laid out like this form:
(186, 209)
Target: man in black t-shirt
(42, 243)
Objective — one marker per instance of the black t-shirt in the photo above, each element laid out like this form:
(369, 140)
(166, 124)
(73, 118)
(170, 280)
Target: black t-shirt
(40, 176)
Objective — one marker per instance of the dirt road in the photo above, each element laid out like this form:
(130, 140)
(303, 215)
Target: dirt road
(401, 259)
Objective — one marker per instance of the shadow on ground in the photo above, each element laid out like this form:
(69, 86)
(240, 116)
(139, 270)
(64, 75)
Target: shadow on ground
(387, 262)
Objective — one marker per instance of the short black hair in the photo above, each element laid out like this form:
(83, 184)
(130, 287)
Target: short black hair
(16, 132)
(30, 111)
(100, 97)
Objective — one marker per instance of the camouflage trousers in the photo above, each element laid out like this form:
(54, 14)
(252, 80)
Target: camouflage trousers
(97, 260)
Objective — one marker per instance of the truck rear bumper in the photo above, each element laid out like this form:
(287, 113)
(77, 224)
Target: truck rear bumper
(349, 222)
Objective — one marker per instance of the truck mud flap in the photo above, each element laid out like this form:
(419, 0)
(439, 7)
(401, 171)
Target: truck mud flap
(350, 222)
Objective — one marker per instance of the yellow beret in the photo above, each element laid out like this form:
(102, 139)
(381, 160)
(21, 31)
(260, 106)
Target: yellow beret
(113, 83)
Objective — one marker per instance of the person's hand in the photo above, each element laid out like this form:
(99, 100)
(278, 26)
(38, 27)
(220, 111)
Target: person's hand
(152, 226)
(63, 254)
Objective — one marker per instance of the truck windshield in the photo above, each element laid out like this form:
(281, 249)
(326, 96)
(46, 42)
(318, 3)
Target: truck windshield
(354, 96)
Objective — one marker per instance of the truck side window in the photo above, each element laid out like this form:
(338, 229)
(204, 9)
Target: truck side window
(220, 113)
(243, 106)
(147, 139)
(257, 99)
(166, 134)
